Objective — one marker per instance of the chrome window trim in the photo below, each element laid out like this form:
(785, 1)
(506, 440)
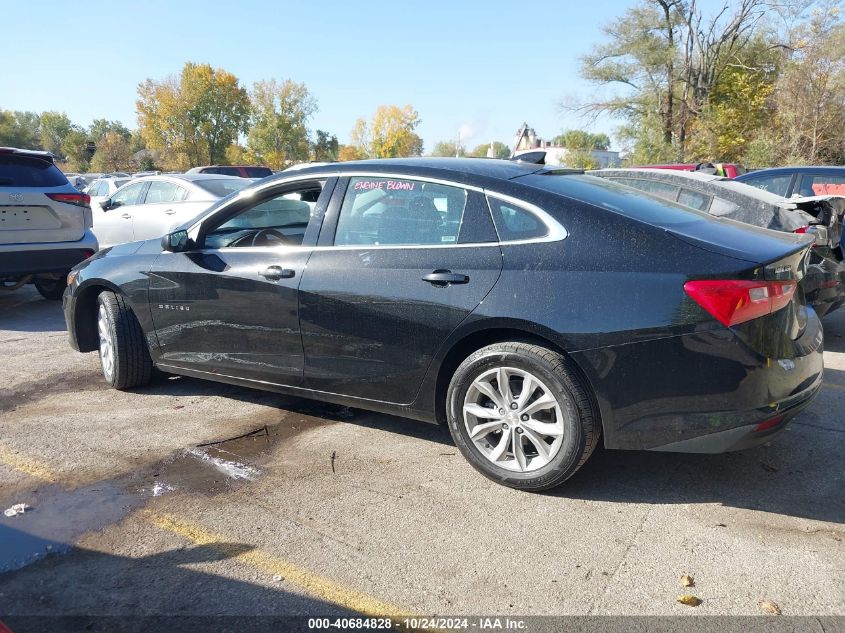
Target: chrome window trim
(556, 231)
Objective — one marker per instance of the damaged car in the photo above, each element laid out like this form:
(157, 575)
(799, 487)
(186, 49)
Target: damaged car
(819, 216)
(521, 305)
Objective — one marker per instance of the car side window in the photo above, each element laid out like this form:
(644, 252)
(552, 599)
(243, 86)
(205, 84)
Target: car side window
(514, 222)
(694, 199)
(655, 187)
(821, 185)
(275, 221)
(161, 191)
(777, 185)
(397, 211)
(128, 195)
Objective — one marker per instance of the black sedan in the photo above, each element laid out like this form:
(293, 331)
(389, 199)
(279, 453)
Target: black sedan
(534, 310)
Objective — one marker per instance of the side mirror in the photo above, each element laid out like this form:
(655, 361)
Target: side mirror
(177, 242)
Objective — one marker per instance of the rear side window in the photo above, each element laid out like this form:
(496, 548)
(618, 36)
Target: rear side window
(25, 171)
(777, 185)
(821, 185)
(694, 199)
(222, 186)
(515, 223)
(657, 188)
(258, 172)
(395, 211)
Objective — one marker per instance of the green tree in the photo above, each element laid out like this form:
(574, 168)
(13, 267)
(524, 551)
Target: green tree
(20, 129)
(582, 140)
(500, 150)
(53, 128)
(113, 154)
(194, 118)
(389, 133)
(100, 127)
(75, 150)
(325, 147)
(280, 114)
(447, 148)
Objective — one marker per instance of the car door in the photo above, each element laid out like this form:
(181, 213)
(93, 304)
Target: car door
(159, 210)
(230, 306)
(113, 218)
(401, 262)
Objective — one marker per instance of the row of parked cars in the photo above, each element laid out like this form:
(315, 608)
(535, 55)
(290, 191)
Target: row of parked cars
(47, 226)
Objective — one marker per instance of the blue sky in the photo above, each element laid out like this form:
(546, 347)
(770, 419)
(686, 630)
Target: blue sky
(484, 67)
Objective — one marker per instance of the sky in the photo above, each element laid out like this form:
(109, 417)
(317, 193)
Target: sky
(478, 67)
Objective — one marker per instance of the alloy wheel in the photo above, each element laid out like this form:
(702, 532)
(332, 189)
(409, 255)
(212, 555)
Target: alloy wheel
(106, 343)
(514, 419)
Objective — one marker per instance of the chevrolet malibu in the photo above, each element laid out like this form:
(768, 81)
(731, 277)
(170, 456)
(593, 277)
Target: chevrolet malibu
(534, 310)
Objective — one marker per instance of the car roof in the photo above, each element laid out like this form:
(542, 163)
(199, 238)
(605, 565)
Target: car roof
(432, 166)
(803, 169)
(185, 177)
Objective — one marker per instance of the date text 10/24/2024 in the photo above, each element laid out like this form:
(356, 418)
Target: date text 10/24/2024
(427, 623)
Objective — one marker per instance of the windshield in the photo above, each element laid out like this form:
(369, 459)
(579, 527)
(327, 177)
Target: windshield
(221, 187)
(616, 197)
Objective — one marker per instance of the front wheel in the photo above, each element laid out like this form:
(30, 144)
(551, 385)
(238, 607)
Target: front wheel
(521, 415)
(124, 355)
(51, 289)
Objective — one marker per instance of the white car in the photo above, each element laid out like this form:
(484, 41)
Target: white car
(104, 188)
(149, 207)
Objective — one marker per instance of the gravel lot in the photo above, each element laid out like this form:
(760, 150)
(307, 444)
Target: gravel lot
(328, 509)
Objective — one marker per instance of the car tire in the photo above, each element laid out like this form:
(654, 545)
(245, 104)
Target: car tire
(554, 427)
(124, 356)
(51, 289)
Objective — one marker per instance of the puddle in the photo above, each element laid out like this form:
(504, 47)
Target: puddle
(59, 516)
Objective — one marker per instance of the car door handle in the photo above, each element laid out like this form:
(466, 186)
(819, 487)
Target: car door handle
(126, 216)
(445, 277)
(170, 211)
(274, 273)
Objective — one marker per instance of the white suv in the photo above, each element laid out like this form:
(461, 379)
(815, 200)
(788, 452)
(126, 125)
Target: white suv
(45, 223)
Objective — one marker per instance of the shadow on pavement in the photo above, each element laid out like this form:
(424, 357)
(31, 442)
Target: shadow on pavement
(183, 581)
(24, 310)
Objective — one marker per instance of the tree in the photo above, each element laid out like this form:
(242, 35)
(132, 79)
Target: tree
(325, 147)
(666, 57)
(100, 127)
(113, 154)
(53, 128)
(582, 140)
(389, 134)
(75, 150)
(500, 150)
(192, 120)
(20, 129)
(350, 152)
(279, 134)
(447, 148)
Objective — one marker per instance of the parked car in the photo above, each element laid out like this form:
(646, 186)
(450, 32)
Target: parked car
(78, 181)
(45, 223)
(729, 170)
(531, 309)
(797, 181)
(104, 188)
(148, 207)
(820, 216)
(241, 171)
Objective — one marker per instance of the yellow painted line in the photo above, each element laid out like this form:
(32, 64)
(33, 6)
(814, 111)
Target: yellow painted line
(833, 386)
(24, 464)
(313, 584)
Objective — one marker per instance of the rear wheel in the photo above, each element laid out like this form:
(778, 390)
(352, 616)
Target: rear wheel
(52, 289)
(124, 355)
(521, 416)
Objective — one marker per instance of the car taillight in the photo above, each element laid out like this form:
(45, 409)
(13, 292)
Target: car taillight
(734, 301)
(79, 199)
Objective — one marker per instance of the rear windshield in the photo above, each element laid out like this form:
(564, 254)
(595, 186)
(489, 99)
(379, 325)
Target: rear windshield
(258, 172)
(616, 197)
(222, 186)
(26, 171)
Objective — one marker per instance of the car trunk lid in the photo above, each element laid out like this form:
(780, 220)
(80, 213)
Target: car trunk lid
(28, 216)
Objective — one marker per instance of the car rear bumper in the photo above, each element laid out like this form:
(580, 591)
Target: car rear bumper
(701, 392)
(17, 260)
(824, 284)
